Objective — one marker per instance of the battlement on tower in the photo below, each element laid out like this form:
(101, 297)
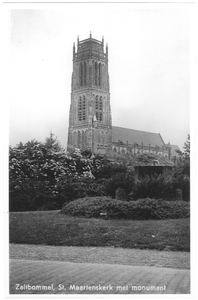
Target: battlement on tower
(90, 48)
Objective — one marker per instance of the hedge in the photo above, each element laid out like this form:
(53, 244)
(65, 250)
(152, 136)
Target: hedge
(142, 209)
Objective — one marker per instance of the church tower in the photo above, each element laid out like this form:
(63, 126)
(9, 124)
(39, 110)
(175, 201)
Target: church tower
(90, 124)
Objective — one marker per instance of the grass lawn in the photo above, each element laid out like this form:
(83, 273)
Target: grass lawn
(54, 228)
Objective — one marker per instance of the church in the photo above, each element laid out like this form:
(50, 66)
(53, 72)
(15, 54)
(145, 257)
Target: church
(90, 121)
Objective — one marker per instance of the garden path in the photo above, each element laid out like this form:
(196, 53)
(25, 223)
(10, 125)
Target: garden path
(106, 255)
(55, 277)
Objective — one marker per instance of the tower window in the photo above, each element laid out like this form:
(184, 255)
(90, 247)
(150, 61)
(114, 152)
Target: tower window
(100, 74)
(99, 109)
(100, 103)
(82, 109)
(97, 103)
(96, 73)
(81, 73)
(85, 73)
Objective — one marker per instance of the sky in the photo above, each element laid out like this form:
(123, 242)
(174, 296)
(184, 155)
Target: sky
(149, 63)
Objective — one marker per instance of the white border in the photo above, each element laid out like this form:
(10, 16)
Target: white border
(14, 4)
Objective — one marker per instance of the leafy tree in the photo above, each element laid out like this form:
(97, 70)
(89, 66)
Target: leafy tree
(187, 148)
(181, 175)
(186, 153)
(183, 165)
(37, 168)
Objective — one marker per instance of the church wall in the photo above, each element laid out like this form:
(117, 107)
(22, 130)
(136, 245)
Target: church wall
(129, 148)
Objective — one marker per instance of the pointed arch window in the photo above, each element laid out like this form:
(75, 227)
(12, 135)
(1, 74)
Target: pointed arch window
(82, 108)
(96, 73)
(100, 74)
(99, 108)
(81, 74)
(85, 73)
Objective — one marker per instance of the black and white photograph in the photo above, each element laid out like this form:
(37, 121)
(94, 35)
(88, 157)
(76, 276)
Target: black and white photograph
(100, 104)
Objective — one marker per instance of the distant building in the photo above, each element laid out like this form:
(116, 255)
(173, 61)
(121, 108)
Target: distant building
(90, 122)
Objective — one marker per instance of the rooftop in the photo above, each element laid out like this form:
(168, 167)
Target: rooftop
(136, 136)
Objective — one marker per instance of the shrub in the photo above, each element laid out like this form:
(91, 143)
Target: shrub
(162, 186)
(88, 206)
(118, 180)
(74, 188)
(182, 182)
(142, 209)
(154, 186)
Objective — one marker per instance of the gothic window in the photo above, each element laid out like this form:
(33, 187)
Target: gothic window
(85, 73)
(100, 104)
(100, 74)
(99, 108)
(97, 103)
(90, 75)
(81, 73)
(82, 109)
(96, 73)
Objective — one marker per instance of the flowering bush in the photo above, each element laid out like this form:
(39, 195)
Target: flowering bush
(43, 168)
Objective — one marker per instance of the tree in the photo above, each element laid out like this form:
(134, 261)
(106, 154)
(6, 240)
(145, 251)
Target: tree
(186, 153)
(40, 170)
(52, 143)
(181, 175)
(187, 148)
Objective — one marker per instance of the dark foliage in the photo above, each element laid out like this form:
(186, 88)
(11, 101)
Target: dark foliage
(119, 180)
(154, 186)
(44, 202)
(74, 188)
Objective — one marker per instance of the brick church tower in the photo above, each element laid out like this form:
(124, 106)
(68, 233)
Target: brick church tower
(90, 124)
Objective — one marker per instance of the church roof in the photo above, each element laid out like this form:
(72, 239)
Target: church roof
(137, 136)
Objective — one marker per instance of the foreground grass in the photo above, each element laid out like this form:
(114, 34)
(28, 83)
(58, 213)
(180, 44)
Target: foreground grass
(53, 228)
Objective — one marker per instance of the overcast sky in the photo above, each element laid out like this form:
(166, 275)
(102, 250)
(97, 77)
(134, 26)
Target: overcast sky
(148, 68)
